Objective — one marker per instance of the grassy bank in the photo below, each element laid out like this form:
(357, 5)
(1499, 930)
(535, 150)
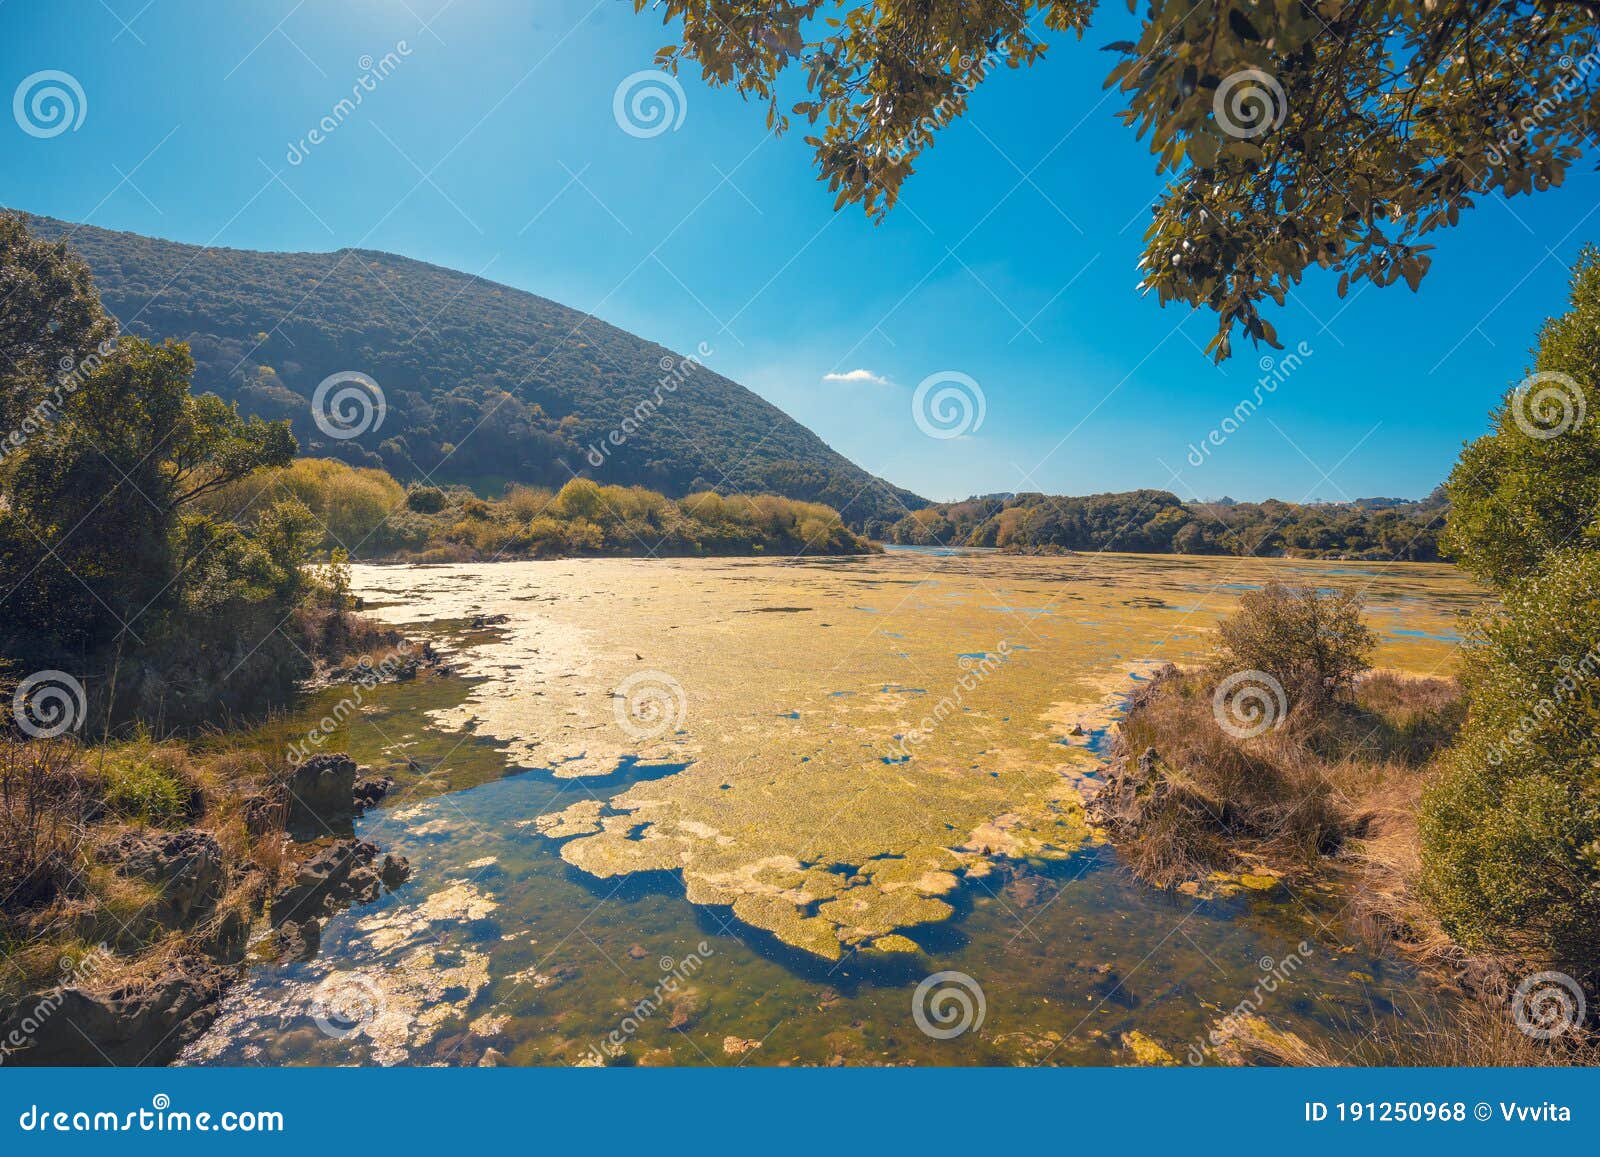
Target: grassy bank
(1286, 764)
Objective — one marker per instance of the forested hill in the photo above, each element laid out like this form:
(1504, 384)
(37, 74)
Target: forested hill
(1157, 522)
(538, 387)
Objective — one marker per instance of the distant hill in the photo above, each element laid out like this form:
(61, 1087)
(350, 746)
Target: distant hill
(1158, 522)
(529, 390)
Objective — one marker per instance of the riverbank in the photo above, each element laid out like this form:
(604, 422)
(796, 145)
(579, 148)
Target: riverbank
(143, 873)
(1201, 796)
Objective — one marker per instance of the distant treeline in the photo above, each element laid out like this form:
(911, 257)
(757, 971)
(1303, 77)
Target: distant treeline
(366, 513)
(1158, 522)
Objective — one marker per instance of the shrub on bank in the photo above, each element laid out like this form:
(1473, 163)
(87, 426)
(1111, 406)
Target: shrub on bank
(1203, 780)
(1511, 828)
(1312, 642)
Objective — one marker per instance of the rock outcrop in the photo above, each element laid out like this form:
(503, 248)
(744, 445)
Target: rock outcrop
(322, 789)
(145, 1021)
(346, 872)
(185, 867)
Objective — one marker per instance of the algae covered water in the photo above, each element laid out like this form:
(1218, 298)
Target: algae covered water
(752, 812)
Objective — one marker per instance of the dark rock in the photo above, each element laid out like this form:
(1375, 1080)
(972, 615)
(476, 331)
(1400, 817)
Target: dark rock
(369, 789)
(185, 866)
(225, 939)
(265, 811)
(1114, 990)
(298, 939)
(363, 885)
(138, 1022)
(322, 882)
(394, 871)
(323, 788)
(338, 875)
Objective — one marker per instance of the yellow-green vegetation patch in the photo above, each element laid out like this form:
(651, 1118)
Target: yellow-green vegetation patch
(1147, 1050)
(852, 763)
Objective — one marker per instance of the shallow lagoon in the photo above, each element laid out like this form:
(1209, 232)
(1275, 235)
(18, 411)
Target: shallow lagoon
(745, 855)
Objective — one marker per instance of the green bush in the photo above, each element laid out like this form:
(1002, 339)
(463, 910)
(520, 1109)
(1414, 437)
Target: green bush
(1312, 642)
(425, 499)
(1510, 828)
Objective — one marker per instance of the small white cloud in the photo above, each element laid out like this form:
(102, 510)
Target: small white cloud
(857, 376)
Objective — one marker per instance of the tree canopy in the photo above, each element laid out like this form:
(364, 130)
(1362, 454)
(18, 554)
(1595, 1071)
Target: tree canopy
(1532, 485)
(1335, 134)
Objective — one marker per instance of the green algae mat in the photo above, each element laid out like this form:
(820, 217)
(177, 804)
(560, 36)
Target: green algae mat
(854, 740)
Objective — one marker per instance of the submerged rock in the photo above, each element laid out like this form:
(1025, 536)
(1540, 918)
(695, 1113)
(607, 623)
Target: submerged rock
(336, 876)
(298, 939)
(369, 789)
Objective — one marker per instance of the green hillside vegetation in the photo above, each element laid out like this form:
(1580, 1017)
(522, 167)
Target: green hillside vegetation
(1158, 522)
(483, 384)
(366, 513)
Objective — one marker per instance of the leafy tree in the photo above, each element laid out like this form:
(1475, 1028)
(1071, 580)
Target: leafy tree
(98, 553)
(1320, 133)
(1532, 485)
(1156, 521)
(50, 321)
(1511, 827)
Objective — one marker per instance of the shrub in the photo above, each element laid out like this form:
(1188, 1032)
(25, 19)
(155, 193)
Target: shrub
(1184, 797)
(425, 499)
(1511, 827)
(1312, 642)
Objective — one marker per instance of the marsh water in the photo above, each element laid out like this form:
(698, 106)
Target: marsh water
(744, 811)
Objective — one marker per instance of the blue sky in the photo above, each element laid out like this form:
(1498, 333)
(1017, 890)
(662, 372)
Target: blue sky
(492, 147)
